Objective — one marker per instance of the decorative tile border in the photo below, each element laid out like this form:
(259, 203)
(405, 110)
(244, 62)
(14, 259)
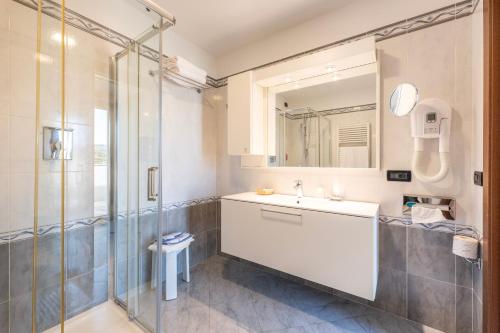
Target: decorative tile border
(450, 227)
(81, 22)
(50, 229)
(423, 21)
(438, 16)
(55, 228)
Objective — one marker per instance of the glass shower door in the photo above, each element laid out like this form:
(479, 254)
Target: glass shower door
(138, 181)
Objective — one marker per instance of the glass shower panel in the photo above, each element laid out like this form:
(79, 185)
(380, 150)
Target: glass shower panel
(138, 184)
(50, 160)
(55, 170)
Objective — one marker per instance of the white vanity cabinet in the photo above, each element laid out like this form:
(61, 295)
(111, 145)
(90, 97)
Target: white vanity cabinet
(334, 249)
(245, 116)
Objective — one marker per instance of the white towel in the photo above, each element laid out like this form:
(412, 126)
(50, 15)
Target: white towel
(183, 66)
(191, 75)
(420, 214)
(354, 157)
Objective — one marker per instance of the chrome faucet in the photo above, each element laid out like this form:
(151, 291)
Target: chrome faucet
(298, 188)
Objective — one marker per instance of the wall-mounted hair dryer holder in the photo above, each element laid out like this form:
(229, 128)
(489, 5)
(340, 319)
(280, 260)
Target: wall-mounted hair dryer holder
(445, 204)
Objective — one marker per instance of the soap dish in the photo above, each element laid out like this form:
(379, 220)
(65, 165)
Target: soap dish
(265, 191)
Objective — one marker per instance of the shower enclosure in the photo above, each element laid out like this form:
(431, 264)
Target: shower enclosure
(80, 176)
(304, 138)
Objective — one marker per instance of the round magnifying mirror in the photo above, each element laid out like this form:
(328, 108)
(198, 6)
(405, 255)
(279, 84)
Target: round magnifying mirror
(403, 99)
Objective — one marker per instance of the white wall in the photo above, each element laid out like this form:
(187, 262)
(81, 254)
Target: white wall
(437, 60)
(350, 20)
(189, 140)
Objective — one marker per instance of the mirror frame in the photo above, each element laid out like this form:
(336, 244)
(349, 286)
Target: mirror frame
(270, 119)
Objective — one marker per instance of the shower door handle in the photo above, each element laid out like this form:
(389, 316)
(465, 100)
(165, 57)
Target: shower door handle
(152, 193)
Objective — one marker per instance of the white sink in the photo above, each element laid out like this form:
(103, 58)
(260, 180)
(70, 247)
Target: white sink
(353, 208)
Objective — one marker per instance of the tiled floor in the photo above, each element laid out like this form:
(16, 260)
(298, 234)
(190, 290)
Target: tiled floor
(107, 317)
(228, 296)
(225, 296)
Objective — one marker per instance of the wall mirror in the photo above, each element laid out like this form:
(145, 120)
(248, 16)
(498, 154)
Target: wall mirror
(328, 121)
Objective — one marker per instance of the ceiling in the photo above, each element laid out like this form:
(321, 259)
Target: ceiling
(221, 26)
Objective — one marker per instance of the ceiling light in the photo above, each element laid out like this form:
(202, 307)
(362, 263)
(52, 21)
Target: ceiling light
(288, 79)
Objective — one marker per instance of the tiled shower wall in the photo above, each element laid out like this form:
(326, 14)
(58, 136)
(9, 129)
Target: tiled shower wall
(86, 283)
(197, 217)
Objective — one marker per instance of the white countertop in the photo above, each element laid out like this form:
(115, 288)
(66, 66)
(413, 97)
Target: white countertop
(354, 208)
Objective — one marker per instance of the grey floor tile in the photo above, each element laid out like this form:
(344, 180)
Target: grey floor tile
(336, 309)
(234, 316)
(275, 315)
(192, 294)
(229, 296)
(383, 322)
(189, 320)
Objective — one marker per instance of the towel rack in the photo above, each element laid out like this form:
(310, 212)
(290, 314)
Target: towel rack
(184, 81)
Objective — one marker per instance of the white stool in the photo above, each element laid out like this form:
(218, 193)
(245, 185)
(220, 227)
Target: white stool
(170, 266)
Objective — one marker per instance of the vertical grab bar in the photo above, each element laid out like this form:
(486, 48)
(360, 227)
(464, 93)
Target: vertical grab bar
(152, 193)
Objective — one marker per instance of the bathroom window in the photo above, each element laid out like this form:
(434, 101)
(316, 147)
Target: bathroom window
(101, 149)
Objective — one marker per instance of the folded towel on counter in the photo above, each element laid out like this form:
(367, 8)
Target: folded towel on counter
(175, 238)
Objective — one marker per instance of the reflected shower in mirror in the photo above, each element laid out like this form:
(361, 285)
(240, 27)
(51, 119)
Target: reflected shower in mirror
(327, 122)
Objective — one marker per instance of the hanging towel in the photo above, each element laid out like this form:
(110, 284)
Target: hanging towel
(354, 157)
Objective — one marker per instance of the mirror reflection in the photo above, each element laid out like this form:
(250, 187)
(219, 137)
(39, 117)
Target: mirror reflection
(328, 123)
(403, 99)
